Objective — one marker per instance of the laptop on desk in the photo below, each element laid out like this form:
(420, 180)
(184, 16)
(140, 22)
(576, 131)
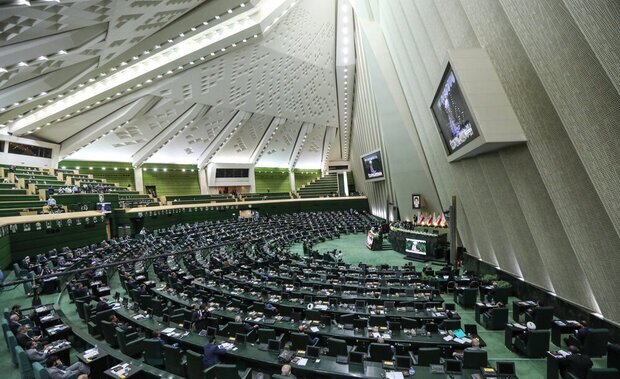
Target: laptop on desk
(506, 370)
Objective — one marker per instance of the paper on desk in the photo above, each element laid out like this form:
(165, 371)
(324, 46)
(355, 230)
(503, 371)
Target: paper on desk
(459, 340)
(448, 338)
(302, 362)
(394, 375)
(314, 329)
(167, 330)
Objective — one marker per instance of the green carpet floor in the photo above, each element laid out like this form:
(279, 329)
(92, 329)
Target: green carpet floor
(354, 251)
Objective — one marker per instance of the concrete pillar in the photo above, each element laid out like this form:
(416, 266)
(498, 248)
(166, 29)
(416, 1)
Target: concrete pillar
(137, 175)
(345, 178)
(291, 179)
(202, 179)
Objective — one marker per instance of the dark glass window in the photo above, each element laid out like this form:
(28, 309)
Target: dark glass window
(232, 172)
(33, 151)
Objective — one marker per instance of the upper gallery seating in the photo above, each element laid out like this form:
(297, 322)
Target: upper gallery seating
(320, 187)
(264, 196)
(24, 190)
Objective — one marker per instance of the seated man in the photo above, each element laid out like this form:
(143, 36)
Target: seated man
(23, 338)
(286, 371)
(103, 305)
(580, 335)
(523, 336)
(475, 346)
(576, 363)
(211, 353)
(247, 327)
(122, 325)
(80, 291)
(14, 324)
(34, 354)
(57, 370)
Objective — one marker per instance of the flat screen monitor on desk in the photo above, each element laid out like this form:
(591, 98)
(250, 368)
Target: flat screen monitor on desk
(356, 357)
(453, 366)
(313, 351)
(273, 346)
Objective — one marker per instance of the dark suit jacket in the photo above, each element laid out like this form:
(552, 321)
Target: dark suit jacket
(576, 364)
(14, 325)
(22, 339)
(103, 306)
(211, 355)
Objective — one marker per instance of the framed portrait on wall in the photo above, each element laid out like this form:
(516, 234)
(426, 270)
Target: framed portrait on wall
(416, 201)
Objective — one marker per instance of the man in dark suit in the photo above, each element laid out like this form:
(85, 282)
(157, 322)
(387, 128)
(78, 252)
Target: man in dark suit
(80, 291)
(23, 338)
(211, 353)
(579, 337)
(576, 364)
(103, 305)
(14, 324)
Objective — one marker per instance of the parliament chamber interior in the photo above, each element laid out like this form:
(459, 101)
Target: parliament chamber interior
(256, 189)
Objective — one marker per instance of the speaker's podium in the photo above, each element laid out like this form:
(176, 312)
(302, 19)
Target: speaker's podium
(374, 240)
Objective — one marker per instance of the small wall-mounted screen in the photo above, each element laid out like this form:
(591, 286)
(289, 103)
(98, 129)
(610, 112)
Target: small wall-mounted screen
(372, 164)
(452, 114)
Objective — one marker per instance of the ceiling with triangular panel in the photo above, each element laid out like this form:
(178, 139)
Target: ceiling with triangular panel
(188, 82)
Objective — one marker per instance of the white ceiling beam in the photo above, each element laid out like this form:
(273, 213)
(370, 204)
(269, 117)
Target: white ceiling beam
(330, 135)
(166, 135)
(276, 122)
(225, 134)
(306, 128)
(105, 125)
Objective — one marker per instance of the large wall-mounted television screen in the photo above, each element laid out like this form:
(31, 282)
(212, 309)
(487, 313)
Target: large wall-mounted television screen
(415, 246)
(373, 166)
(456, 124)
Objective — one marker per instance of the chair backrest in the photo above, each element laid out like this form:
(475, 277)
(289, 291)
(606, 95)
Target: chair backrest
(12, 342)
(25, 367)
(394, 326)
(39, 371)
(376, 320)
(313, 314)
(173, 359)
(5, 328)
(428, 356)
(471, 329)
(265, 334)
(595, 343)
(543, 317)
(449, 306)
(474, 359)
(603, 373)
(451, 324)
(233, 328)
(537, 343)
(299, 341)
(195, 368)
(336, 347)
(222, 371)
(379, 352)
(152, 350)
(409, 323)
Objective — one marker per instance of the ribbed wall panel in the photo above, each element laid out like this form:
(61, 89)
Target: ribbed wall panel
(589, 108)
(546, 210)
(366, 136)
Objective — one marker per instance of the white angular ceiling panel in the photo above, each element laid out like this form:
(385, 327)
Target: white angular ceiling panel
(244, 141)
(278, 152)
